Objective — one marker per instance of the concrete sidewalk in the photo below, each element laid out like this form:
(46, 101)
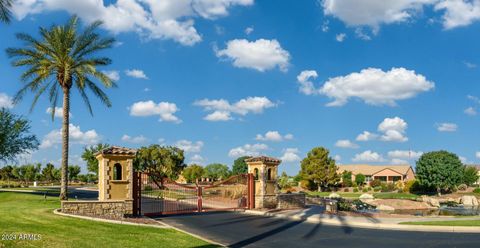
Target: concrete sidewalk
(316, 214)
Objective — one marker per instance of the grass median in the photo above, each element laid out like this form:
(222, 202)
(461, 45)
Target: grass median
(26, 213)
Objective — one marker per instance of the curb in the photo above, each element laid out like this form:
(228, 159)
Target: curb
(189, 233)
(58, 212)
(410, 228)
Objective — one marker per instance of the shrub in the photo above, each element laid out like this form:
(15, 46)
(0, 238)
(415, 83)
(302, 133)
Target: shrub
(147, 188)
(375, 183)
(399, 185)
(387, 187)
(376, 189)
(347, 179)
(354, 184)
(407, 187)
(477, 191)
(462, 187)
(346, 190)
(308, 185)
(355, 189)
(364, 190)
(360, 179)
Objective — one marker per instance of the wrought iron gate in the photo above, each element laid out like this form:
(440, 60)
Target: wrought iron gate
(154, 197)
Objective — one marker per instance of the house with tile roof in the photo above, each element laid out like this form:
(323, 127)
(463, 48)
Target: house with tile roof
(385, 173)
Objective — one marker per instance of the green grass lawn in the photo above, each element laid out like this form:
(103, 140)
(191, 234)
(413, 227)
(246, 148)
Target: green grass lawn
(445, 223)
(380, 195)
(31, 214)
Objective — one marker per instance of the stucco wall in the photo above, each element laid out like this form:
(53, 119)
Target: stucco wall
(109, 209)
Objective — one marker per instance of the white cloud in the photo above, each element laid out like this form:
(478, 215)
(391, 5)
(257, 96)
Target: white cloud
(247, 150)
(5, 101)
(135, 73)
(113, 75)
(260, 55)
(366, 136)
(151, 19)
(340, 37)
(470, 111)
(447, 127)
(273, 136)
(306, 85)
(189, 146)
(474, 99)
(222, 109)
(58, 112)
(477, 154)
(404, 154)
(165, 110)
(399, 161)
(325, 26)
(368, 156)
(393, 129)
(54, 137)
(346, 144)
(337, 158)
(135, 140)
(290, 155)
(469, 65)
(458, 13)
(375, 86)
(197, 159)
(248, 30)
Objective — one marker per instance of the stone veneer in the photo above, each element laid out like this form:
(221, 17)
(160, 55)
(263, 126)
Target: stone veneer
(109, 209)
(289, 201)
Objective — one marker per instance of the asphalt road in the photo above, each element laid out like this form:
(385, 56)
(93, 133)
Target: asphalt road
(242, 230)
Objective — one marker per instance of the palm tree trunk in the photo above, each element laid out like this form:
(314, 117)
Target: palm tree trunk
(65, 135)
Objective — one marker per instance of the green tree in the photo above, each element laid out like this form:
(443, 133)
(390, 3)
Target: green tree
(360, 179)
(347, 178)
(6, 173)
(5, 10)
(61, 60)
(27, 173)
(319, 168)
(217, 171)
(15, 136)
(48, 172)
(73, 171)
(441, 170)
(88, 156)
(193, 172)
(284, 181)
(160, 162)
(239, 166)
(470, 175)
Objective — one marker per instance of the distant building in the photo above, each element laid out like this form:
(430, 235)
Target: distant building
(385, 173)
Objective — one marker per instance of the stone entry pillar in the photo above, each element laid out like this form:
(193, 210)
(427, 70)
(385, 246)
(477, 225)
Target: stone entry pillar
(265, 171)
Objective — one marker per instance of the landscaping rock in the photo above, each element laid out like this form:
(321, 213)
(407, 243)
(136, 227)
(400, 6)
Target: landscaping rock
(366, 197)
(334, 195)
(469, 200)
(431, 201)
(385, 208)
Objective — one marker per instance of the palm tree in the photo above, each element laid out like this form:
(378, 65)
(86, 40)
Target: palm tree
(63, 59)
(5, 13)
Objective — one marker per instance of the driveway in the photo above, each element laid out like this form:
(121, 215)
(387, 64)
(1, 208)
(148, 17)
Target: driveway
(243, 230)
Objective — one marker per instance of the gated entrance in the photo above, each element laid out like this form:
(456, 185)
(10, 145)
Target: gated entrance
(165, 196)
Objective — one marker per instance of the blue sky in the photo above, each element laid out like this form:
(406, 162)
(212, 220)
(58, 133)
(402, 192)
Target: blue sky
(242, 77)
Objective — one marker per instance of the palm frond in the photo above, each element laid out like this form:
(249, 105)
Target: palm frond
(5, 12)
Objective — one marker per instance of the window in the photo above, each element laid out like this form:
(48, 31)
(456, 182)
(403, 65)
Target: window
(117, 172)
(269, 174)
(255, 173)
(368, 179)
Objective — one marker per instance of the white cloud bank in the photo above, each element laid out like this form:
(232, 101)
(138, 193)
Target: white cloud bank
(391, 129)
(346, 144)
(54, 137)
(5, 101)
(113, 75)
(290, 155)
(222, 109)
(151, 19)
(260, 55)
(447, 127)
(135, 140)
(247, 150)
(136, 73)
(165, 110)
(189, 146)
(374, 13)
(372, 85)
(58, 112)
(368, 156)
(274, 136)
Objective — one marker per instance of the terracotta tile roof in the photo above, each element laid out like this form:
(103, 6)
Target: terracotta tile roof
(366, 169)
(263, 159)
(118, 150)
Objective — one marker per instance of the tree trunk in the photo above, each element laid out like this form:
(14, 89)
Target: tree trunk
(65, 135)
